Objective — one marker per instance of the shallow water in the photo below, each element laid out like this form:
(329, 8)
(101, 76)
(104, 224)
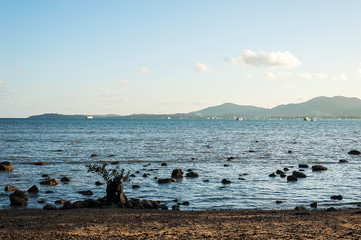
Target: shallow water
(259, 147)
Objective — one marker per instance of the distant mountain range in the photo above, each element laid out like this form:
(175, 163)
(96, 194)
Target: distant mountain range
(322, 107)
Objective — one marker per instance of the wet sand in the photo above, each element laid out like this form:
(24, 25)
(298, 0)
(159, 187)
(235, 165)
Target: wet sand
(147, 224)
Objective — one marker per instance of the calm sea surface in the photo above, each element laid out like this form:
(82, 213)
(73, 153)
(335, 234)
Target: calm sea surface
(259, 148)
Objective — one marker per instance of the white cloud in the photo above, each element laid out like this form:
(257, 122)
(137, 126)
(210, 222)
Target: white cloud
(145, 71)
(342, 77)
(122, 83)
(313, 76)
(267, 59)
(202, 68)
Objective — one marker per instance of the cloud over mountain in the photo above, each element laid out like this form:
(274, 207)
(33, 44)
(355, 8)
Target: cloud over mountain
(267, 59)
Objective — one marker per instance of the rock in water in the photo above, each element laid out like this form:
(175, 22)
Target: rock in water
(192, 175)
(337, 197)
(292, 178)
(65, 179)
(303, 165)
(49, 207)
(33, 189)
(51, 182)
(177, 173)
(226, 181)
(18, 198)
(166, 180)
(354, 152)
(10, 188)
(299, 174)
(314, 205)
(6, 166)
(317, 168)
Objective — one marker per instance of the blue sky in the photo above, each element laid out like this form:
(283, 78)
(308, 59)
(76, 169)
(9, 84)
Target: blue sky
(124, 57)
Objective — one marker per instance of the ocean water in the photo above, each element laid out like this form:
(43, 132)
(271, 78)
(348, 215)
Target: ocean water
(259, 148)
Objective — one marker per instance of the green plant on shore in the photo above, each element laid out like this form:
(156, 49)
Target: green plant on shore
(116, 175)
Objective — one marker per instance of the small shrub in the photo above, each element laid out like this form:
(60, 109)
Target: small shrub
(115, 175)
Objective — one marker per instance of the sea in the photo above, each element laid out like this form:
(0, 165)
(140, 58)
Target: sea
(243, 152)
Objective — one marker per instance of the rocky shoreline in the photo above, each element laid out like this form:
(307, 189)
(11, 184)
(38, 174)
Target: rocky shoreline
(151, 224)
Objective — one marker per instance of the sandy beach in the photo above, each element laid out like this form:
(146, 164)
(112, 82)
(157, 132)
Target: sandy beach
(147, 224)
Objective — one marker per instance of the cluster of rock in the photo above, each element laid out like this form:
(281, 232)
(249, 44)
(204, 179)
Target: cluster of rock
(297, 174)
(6, 166)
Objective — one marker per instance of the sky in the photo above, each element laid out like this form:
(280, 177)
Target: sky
(166, 56)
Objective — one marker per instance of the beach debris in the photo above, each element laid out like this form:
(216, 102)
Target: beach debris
(49, 207)
(314, 205)
(226, 181)
(317, 168)
(299, 174)
(10, 188)
(177, 173)
(343, 161)
(292, 178)
(65, 179)
(50, 182)
(166, 180)
(6, 166)
(164, 164)
(192, 174)
(86, 193)
(18, 198)
(98, 183)
(302, 165)
(336, 197)
(354, 152)
(33, 189)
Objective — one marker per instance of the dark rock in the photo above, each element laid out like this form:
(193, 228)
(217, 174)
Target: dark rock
(303, 165)
(47, 192)
(135, 186)
(6, 166)
(166, 180)
(115, 162)
(164, 164)
(137, 171)
(251, 151)
(67, 204)
(49, 207)
(98, 183)
(147, 204)
(177, 173)
(78, 204)
(189, 170)
(45, 176)
(18, 198)
(226, 181)
(60, 201)
(292, 178)
(163, 207)
(225, 165)
(33, 189)
(175, 208)
(280, 172)
(205, 180)
(42, 200)
(337, 197)
(279, 202)
(354, 152)
(86, 193)
(331, 209)
(314, 205)
(317, 168)
(192, 175)
(300, 208)
(112, 155)
(90, 202)
(241, 179)
(283, 175)
(132, 175)
(155, 178)
(299, 174)
(146, 175)
(285, 169)
(65, 179)
(343, 161)
(40, 163)
(51, 182)
(10, 188)
(289, 151)
(272, 175)
(94, 155)
(186, 203)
